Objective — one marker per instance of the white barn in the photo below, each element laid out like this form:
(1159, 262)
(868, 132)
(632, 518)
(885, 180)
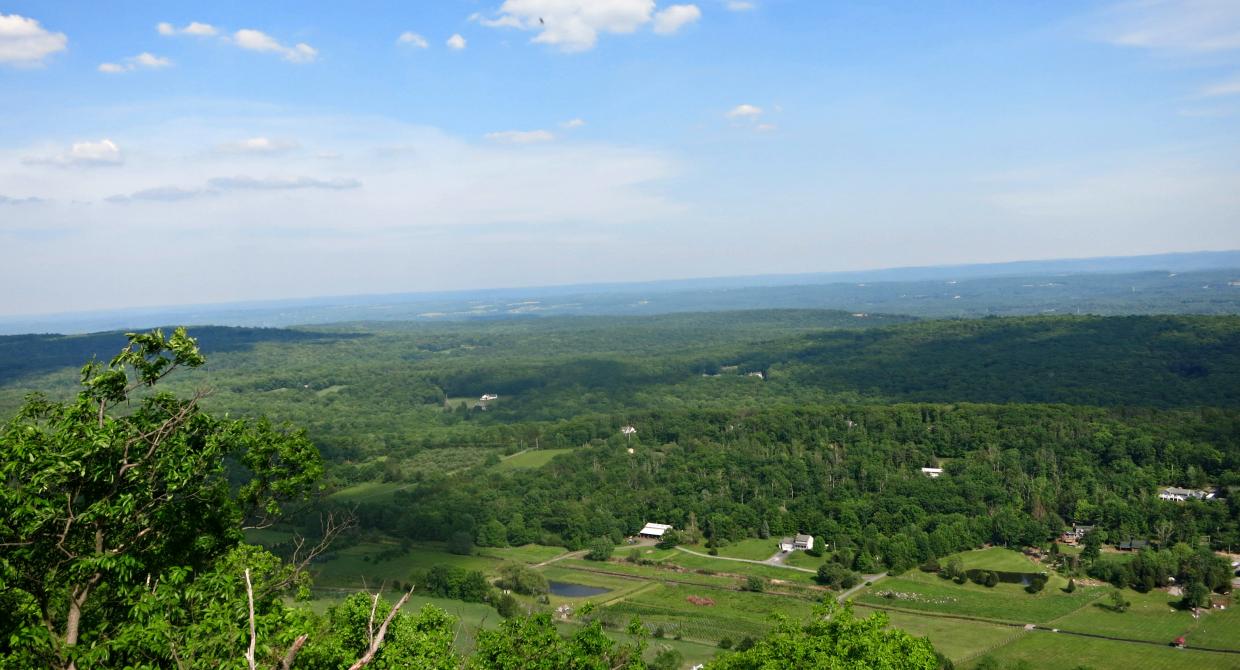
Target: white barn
(654, 531)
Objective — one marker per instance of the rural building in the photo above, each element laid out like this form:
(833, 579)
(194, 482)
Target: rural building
(1177, 494)
(628, 430)
(759, 375)
(1076, 534)
(932, 473)
(488, 396)
(654, 531)
(801, 542)
(1132, 545)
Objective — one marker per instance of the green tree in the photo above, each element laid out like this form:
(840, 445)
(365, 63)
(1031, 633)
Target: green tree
(493, 534)
(1195, 595)
(834, 638)
(600, 549)
(755, 583)
(123, 490)
(1117, 601)
(667, 658)
(461, 542)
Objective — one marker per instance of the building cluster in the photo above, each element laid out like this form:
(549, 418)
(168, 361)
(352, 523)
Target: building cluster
(1177, 494)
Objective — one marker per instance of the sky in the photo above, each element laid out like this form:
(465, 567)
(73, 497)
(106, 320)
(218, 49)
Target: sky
(169, 154)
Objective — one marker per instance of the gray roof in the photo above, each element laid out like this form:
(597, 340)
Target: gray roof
(804, 538)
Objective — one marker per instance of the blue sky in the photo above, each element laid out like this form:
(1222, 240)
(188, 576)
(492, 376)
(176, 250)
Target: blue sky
(282, 149)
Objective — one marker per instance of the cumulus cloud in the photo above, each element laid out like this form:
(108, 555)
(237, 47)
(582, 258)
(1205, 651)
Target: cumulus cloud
(574, 25)
(280, 183)
(102, 152)
(456, 42)
(573, 123)
(24, 42)
(144, 60)
(521, 136)
(193, 28)
(1173, 25)
(258, 145)
(675, 17)
(257, 40)
(744, 112)
(412, 39)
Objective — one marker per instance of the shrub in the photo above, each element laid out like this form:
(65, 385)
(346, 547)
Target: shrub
(600, 550)
(725, 643)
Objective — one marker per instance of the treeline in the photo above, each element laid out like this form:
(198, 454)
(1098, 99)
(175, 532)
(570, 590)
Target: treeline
(1014, 475)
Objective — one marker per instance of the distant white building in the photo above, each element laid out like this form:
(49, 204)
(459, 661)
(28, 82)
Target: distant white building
(628, 430)
(802, 542)
(756, 373)
(1177, 494)
(488, 396)
(932, 473)
(654, 531)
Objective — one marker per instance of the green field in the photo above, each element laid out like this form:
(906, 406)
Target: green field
(367, 492)
(956, 639)
(736, 567)
(1006, 602)
(526, 460)
(530, 553)
(1040, 649)
(360, 565)
(996, 558)
(753, 549)
(725, 613)
(801, 559)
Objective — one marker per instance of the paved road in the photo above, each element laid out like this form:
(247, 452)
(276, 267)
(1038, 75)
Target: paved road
(772, 561)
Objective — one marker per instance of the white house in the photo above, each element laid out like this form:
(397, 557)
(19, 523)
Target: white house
(932, 473)
(654, 531)
(1178, 494)
(801, 542)
(628, 430)
(757, 373)
(488, 396)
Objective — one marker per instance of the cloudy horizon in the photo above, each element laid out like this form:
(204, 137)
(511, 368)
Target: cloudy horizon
(180, 155)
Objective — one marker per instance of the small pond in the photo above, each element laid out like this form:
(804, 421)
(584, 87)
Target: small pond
(570, 590)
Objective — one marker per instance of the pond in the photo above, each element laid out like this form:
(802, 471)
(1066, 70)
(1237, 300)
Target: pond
(570, 590)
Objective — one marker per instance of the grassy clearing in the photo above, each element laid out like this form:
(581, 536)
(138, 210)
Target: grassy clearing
(530, 553)
(373, 563)
(528, 460)
(997, 558)
(725, 613)
(1005, 602)
(801, 559)
(693, 652)
(366, 491)
(651, 572)
(751, 549)
(1051, 650)
(1153, 617)
(958, 640)
(736, 567)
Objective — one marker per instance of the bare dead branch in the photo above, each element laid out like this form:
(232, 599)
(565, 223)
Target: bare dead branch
(287, 662)
(249, 594)
(377, 641)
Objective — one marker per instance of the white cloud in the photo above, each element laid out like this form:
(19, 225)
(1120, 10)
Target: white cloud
(281, 183)
(194, 29)
(675, 17)
(574, 25)
(412, 39)
(24, 42)
(744, 112)
(102, 152)
(1230, 87)
(573, 123)
(521, 136)
(1173, 25)
(143, 60)
(456, 42)
(739, 5)
(258, 145)
(257, 40)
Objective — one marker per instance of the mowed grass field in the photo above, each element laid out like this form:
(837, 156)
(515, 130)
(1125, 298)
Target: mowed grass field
(528, 460)
(1042, 649)
(997, 558)
(368, 564)
(716, 615)
(1153, 617)
(530, 553)
(956, 639)
(752, 549)
(916, 590)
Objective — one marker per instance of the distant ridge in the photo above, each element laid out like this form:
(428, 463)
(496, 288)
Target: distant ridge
(621, 298)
